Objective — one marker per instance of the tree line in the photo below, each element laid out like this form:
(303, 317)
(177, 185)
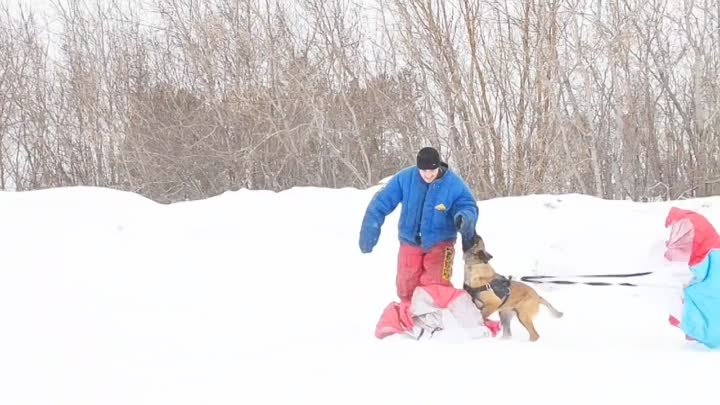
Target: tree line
(186, 99)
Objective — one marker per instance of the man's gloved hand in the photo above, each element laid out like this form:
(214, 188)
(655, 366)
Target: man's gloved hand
(366, 246)
(467, 243)
(458, 222)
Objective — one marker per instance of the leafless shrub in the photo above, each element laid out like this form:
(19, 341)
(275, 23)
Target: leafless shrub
(180, 99)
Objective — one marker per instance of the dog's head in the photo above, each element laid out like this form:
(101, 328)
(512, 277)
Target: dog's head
(478, 275)
(476, 253)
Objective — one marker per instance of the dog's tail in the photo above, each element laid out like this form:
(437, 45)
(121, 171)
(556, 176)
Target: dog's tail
(548, 305)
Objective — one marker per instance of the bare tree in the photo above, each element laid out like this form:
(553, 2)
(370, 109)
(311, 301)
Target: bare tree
(180, 99)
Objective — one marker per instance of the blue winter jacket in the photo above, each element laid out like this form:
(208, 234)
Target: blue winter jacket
(428, 210)
(701, 314)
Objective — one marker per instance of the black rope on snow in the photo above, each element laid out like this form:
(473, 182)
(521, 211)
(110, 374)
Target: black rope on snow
(553, 279)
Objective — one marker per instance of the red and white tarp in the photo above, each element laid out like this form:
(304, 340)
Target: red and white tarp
(435, 310)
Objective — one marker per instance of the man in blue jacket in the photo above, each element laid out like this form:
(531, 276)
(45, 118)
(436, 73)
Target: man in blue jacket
(436, 205)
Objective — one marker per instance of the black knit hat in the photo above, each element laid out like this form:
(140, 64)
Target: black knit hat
(428, 158)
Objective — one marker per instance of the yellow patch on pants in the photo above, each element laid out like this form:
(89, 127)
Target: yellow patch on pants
(448, 264)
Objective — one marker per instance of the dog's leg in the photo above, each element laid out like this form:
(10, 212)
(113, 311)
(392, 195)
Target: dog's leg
(478, 304)
(548, 305)
(525, 318)
(488, 309)
(506, 317)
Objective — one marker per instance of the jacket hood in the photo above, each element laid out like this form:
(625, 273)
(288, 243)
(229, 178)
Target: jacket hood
(690, 230)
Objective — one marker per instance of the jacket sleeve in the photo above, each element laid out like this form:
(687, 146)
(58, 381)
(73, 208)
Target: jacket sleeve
(700, 272)
(466, 207)
(381, 205)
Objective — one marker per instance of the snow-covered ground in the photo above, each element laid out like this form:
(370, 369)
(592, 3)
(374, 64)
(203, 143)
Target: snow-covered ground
(256, 297)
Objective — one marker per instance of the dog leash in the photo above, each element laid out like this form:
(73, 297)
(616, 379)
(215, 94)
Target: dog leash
(557, 280)
(529, 278)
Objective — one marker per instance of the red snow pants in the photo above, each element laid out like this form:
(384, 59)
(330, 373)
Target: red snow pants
(415, 267)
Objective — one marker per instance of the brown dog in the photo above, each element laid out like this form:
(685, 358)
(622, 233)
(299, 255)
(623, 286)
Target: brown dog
(492, 292)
